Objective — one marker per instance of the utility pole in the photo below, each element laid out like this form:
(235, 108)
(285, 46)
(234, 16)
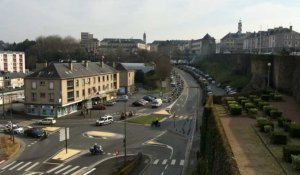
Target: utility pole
(3, 102)
(125, 133)
(11, 117)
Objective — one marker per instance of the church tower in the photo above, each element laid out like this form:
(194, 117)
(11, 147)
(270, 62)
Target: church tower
(240, 27)
(144, 38)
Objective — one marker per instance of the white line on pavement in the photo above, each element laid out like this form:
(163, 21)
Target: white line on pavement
(156, 161)
(164, 161)
(89, 171)
(16, 165)
(32, 166)
(55, 168)
(62, 169)
(70, 170)
(8, 165)
(181, 162)
(24, 166)
(80, 170)
(173, 162)
(2, 161)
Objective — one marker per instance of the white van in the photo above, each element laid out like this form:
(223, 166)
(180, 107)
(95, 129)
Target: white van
(107, 119)
(156, 103)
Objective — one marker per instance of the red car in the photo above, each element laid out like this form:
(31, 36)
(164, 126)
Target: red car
(99, 107)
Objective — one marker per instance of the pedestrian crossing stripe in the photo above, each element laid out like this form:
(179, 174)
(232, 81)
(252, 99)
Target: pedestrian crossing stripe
(173, 162)
(167, 161)
(156, 162)
(60, 169)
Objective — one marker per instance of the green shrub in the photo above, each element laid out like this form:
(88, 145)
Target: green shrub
(229, 99)
(261, 104)
(279, 138)
(265, 97)
(281, 120)
(296, 161)
(235, 109)
(243, 102)
(256, 101)
(232, 102)
(249, 105)
(267, 110)
(252, 111)
(252, 97)
(275, 113)
(268, 128)
(240, 98)
(262, 122)
(288, 150)
(277, 97)
(294, 130)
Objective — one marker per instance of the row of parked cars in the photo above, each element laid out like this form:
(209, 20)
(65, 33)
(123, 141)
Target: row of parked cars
(148, 99)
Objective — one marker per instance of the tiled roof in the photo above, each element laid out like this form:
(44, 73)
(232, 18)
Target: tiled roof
(12, 75)
(63, 71)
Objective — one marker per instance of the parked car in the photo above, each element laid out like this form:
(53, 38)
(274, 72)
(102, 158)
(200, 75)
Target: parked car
(110, 103)
(122, 98)
(99, 107)
(156, 103)
(149, 98)
(47, 121)
(138, 103)
(107, 119)
(35, 133)
(19, 100)
(16, 129)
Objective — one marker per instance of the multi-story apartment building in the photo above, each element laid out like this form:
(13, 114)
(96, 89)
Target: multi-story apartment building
(127, 76)
(121, 47)
(88, 42)
(233, 42)
(272, 41)
(11, 80)
(204, 46)
(64, 88)
(11, 61)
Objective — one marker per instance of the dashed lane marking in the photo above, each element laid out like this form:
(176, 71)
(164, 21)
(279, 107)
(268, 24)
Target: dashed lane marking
(20, 163)
(2, 161)
(78, 171)
(8, 165)
(55, 168)
(181, 162)
(89, 171)
(23, 166)
(164, 161)
(173, 162)
(32, 166)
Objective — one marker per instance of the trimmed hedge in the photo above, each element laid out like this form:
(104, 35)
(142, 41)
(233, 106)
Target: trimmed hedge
(283, 120)
(262, 122)
(265, 97)
(275, 113)
(256, 101)
(267, 109)
(296, 161)
(235, 109)
(249, 105)
(261, 104)
(294, 130)
(243, 102)
(232, 102)
(288, 150)
(240, 98)
(279, 138)
(252, 97)
(229, 99)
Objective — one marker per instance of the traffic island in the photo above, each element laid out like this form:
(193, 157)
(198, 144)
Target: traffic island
(8, 148)
(51, 129)
(103, 135)
(64, 155)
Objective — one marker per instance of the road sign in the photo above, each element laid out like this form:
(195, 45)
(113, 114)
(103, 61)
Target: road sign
(89, 104)
(64, 134)
(163, 84)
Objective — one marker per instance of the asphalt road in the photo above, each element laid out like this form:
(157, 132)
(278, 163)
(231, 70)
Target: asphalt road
(168, 147)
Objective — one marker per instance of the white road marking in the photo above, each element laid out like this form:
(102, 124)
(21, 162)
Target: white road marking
(164, 161)
(185, 117)
(181, 162)
(8, 165)
(23, 166)
(70, 170)
(89, 171)
(146, 161)
(173, 162)
(180, 117)
(2, 161)
(32, 166)
(80, 170)
(62, 169)
(20, 163)
(108, 153)
(166, 167)
(162, 173)
(156, 162)
(55, 168)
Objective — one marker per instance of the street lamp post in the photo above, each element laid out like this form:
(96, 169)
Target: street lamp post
(269, 67)
(125, 134)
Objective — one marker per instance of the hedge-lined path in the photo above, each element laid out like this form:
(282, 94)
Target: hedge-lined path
(250, 154)
(289, 107)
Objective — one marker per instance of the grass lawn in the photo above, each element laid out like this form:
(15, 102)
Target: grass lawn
(147, 119)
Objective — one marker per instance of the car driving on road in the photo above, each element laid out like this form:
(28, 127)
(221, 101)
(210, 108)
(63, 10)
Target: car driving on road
(35, 133)
(47, 121)
(16, 129)
(107, 119)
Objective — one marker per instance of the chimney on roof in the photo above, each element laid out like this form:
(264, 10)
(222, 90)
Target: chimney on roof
(102, 63)
(291, 28)
(70, 65)
(86, 63)
(114, 65)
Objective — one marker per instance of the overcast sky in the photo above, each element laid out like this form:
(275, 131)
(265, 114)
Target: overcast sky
(160, 19)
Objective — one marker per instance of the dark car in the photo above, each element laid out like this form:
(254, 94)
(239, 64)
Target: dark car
(110, 103)
(35, 133)
(99, 107)
(149, 98)
(138, 103)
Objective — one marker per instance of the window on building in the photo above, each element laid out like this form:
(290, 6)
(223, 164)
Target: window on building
(88, 80)
(89, 91)
(33, 96)
(77, 83)
(42, 83)
(103, 78)
(70, 96)
(33, 84)
(51, 97)
(70, 84)
(83, 93)
(103, 87)
(77, 94)
(99, 88)
(51, 85)
(94, 80)
(42, 95)
(111, 77)
(107, 77)
(99, 79)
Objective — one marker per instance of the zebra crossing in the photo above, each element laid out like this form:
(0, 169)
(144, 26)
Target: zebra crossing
(184, 117)
(173, 162)
(63, 169)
